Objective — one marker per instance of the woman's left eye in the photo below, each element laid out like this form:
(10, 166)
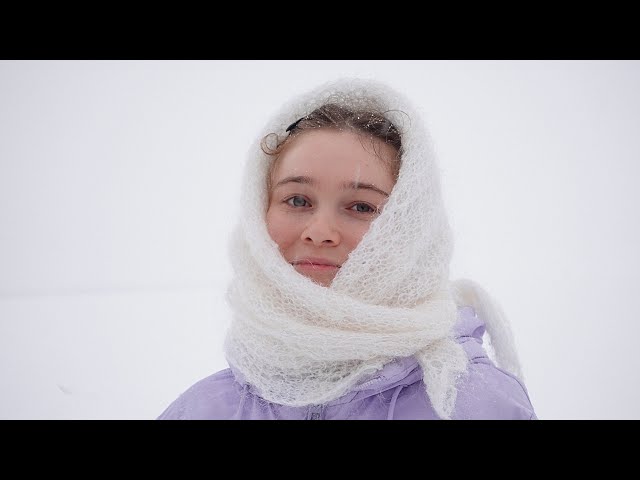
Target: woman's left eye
(363, 208)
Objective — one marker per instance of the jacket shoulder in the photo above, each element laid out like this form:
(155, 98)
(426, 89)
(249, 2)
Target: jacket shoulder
(213, 398)
(487, 391)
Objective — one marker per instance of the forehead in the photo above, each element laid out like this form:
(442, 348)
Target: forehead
(334, 151)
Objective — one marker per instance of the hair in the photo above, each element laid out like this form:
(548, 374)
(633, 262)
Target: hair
(368, 123)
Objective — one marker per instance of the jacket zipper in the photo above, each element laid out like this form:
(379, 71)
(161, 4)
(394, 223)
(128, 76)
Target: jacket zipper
(315, 412)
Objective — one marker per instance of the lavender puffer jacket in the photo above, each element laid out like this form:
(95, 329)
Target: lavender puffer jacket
(395, 392)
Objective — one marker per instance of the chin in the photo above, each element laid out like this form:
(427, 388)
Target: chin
(321, 280)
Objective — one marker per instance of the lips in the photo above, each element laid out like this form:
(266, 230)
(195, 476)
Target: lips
(315, 262)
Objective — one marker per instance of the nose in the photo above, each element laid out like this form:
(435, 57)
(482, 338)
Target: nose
(321, 230)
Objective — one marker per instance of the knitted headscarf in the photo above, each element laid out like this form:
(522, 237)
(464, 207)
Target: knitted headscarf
(300, 343)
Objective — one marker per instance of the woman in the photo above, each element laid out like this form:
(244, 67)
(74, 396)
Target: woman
(341, 298)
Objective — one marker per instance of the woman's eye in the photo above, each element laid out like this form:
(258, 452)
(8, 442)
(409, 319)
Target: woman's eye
(297, 201)
(363, 208)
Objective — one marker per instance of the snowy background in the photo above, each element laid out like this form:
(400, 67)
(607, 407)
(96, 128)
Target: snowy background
(119, 187)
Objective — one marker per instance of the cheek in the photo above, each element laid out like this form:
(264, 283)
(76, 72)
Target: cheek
(282, 229)
(353, 234)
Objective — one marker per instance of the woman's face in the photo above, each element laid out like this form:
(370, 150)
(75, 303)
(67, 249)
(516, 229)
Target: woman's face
(326, 189)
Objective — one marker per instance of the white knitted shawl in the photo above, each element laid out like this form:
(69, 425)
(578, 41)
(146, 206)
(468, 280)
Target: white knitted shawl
(300, 343)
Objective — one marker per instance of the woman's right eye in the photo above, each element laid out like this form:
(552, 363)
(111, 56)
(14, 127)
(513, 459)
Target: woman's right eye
(297, 201)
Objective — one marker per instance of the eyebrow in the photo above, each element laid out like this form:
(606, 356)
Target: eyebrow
(347, 185)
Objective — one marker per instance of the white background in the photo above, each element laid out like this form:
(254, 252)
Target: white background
(119, 187)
